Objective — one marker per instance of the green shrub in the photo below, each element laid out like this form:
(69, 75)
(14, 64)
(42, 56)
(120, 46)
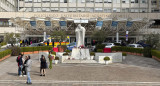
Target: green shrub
(31, 49)
(147, 52)
(5, 53)
(100, 46)
(65, 54)
(106, 58)
(54, 53)
(127, 49)
(56, 58)
(124, 54)
(27, 49)
(3, 43)
(117, 44)
(99, 50)
(68, 51)
(155, 53)
(15, 51)
(92, 53)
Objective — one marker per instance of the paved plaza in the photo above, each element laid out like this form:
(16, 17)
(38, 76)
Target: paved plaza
(134, 71)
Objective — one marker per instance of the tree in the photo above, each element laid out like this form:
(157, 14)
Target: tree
(59, 36)
(99, 35)
(11, 38)
(153, 40)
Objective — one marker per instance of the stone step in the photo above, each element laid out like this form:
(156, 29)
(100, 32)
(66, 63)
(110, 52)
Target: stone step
(80, 61)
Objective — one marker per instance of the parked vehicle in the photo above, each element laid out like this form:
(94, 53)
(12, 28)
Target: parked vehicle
(71, 45)
(109, 45)
(37, 44)
(135, 45)
(142, 42)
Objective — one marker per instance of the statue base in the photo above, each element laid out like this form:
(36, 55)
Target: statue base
(80, 53)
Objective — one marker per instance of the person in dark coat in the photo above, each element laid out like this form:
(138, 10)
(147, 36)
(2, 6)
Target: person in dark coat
(43, 66)
(20, 62)
(53, 43)
(47, 43)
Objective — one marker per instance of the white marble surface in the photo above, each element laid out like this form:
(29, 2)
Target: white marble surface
(116, 57)
(82, 53)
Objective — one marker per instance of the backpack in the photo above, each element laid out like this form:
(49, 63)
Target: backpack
(17, 59)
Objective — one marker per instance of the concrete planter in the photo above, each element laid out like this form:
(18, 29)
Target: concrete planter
(56, 61)
(106, 62)
(124, 57)
(64, 58)
(91, 57)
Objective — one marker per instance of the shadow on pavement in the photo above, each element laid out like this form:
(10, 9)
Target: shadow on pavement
(13, 74)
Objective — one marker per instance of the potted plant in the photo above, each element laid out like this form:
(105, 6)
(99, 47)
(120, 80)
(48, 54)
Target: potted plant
(56, 59)
(124, 55)
(92, 54)
(106, 59)
(68, 51)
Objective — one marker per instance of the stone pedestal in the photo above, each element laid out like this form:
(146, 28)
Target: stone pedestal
(80, 54)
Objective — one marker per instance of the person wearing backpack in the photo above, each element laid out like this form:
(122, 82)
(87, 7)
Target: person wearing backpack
(18, 63)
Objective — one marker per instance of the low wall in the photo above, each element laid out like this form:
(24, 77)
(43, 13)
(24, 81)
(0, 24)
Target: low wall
(115, 57)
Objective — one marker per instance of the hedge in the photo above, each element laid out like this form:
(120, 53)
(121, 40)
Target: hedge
(127, 49)
(5, 53)
(155, 53)
(31, 49)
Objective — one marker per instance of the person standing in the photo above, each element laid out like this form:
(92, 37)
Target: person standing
(50, 60)
(20, 43)
(28, 69)
(43, 66)
(48, 43)
(53, 43)
(24, 67)
(20, 62)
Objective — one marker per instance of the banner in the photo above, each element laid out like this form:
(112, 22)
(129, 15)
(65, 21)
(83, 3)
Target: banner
(129, 23)
(99, 24)
(47, 23)
(33, 23)
(62, 23)
(114, 23)
(127, 35)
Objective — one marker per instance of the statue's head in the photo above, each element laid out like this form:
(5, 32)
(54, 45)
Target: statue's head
(79, 26)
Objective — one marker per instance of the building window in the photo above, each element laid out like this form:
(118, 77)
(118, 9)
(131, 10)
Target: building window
(98, 10)
(81, 1)
(28, 1)
(54, 9)
(45, 9)
(72, 10)
(54, 1)
(63, 10)
(72, 1)
(134, 1)
(81, 9)
(89, 1)
(125, 1)
(45, 1)
(98, 1)
(107, 1)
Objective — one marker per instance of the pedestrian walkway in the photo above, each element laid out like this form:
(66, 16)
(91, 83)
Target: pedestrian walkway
(131, 72)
